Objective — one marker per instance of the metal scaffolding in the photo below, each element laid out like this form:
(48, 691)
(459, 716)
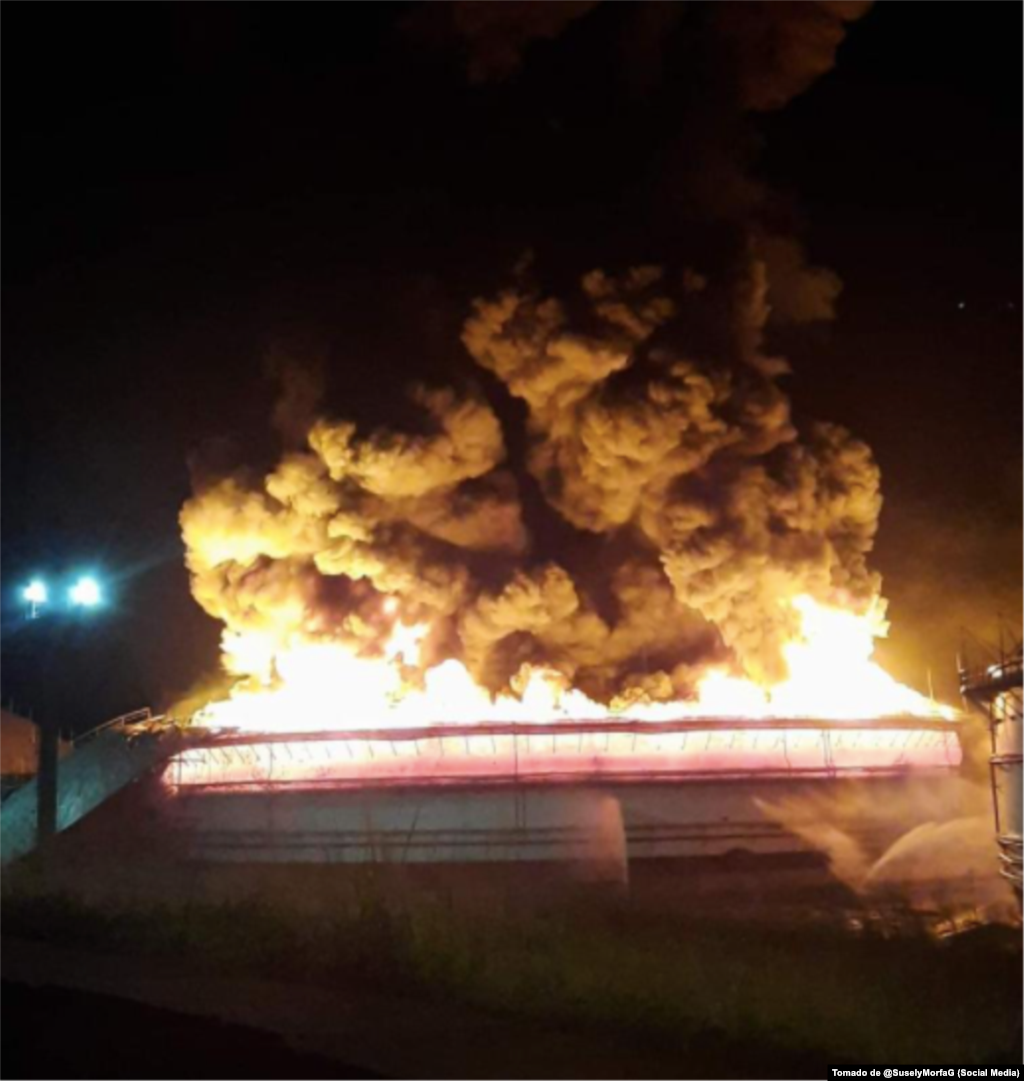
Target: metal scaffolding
(994, 686)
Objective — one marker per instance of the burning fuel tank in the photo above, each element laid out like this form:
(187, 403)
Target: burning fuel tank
(603, 790)
(714, 806)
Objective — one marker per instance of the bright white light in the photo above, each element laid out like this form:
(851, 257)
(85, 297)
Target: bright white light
(35, 592)
(85, 593)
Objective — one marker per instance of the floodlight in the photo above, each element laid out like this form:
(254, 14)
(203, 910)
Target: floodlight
(85, 593)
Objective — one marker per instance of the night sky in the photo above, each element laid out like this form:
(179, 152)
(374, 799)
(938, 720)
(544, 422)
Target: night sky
(192, 189)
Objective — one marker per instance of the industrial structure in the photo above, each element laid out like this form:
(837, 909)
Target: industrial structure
(995, 688)
(604, 793)
(506, 792)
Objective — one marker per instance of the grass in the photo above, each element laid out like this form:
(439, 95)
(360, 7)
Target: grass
(885, 993)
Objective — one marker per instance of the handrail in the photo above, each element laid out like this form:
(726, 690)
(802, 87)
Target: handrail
(992, 678)
(136, 716)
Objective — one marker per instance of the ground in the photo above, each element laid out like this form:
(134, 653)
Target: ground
(584, 989)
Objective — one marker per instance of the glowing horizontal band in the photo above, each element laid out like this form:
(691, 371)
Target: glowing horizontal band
(568, 750)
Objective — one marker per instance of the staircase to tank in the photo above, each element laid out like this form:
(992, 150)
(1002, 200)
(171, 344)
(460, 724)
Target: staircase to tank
(103, 762)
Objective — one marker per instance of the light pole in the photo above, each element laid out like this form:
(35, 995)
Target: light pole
(36, 594)
(83, 594)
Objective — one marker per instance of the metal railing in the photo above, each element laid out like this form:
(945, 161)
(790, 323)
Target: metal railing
(1011, 859)
(136, 716)
(992, 679)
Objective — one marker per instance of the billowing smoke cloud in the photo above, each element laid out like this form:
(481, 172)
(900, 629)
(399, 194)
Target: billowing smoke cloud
(696, 459)
(715, 512)
(713, 66)
(780, 49)
(383, 514)
(798, 292)
(774, 51)
(657, 435)
(495, 36)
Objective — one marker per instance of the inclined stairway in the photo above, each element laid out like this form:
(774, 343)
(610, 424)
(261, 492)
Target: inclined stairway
(103, 762)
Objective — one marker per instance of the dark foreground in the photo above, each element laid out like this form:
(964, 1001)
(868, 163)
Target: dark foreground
(51, 1032)
(389, 981)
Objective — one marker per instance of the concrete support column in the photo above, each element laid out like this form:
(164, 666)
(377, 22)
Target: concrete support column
(46, 782)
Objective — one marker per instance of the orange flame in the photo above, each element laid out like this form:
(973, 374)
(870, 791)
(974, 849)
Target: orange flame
(310, 686)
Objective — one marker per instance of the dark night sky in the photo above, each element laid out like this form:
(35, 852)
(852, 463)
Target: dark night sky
(189, 185)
